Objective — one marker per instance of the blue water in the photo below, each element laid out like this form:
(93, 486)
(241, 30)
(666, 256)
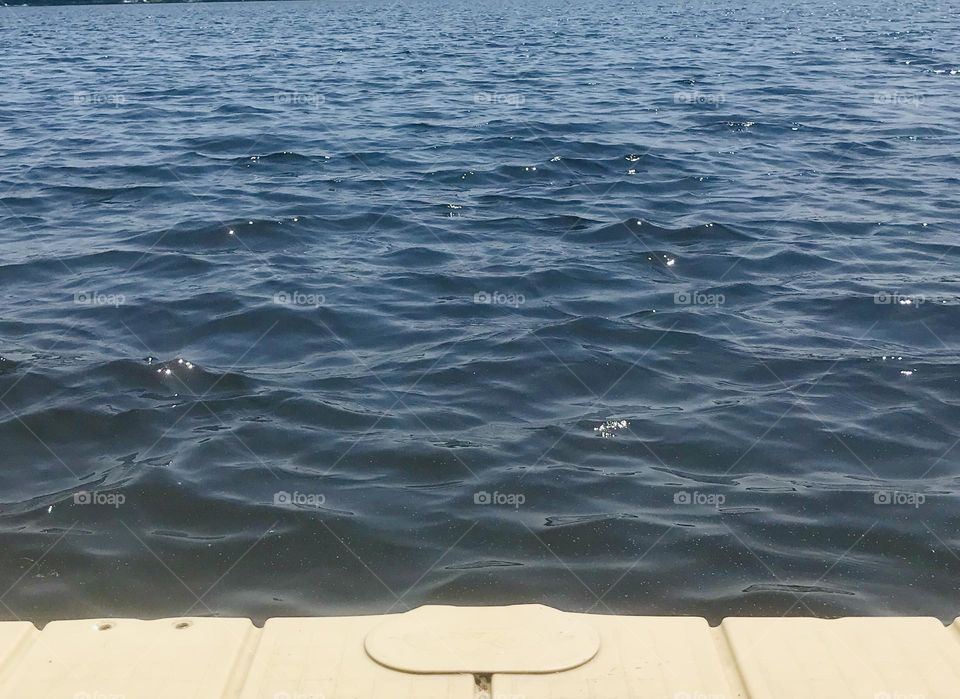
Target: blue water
(310, 308)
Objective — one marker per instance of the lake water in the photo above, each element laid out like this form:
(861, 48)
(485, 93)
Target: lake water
(320, 308)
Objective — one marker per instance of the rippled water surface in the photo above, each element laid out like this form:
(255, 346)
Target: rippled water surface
(310, 308)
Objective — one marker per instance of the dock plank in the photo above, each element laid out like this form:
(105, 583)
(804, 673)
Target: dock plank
(187, 658)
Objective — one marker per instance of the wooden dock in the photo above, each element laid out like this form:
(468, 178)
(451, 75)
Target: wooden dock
(519, 652)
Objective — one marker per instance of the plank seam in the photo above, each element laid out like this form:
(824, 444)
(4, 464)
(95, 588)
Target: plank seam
(728, 662)
(244, 664)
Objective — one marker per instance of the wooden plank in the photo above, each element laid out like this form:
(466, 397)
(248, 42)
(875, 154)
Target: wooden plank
(868, 658)
(639, 658)
(184, 658)
(324, 658)
(15, 638)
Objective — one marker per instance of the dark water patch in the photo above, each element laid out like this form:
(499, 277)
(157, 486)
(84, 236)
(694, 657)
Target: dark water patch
(481, 565)
(796, 589)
